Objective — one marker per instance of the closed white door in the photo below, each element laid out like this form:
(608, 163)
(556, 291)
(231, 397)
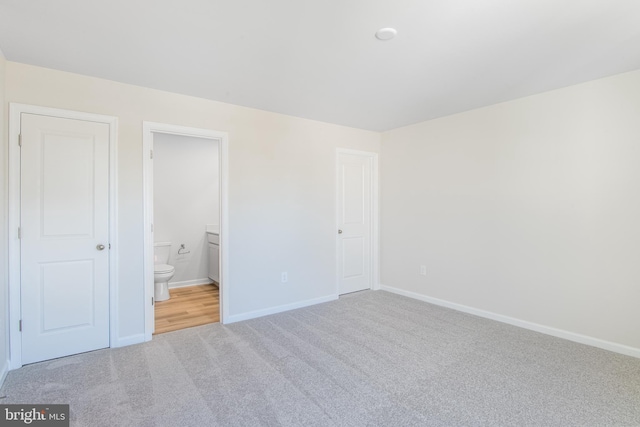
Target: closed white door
(354, 222)
(64, 245)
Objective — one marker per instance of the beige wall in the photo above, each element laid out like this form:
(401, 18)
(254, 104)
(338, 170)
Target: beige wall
(525, 209)
(281, 194)
(528, 209)
(4, 283)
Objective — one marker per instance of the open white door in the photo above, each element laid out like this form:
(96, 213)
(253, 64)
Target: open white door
(355, 219)
(64, 243)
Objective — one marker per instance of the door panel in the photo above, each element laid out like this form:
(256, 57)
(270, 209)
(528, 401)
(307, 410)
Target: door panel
(353, 193)
(354, 221)
(64, 217)
(57, 281)
(353, 255)
(67, 186)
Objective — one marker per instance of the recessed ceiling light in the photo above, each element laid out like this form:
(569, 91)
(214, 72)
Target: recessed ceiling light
(386, 34)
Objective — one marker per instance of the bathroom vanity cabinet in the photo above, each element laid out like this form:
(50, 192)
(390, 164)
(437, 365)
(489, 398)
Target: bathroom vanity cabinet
(214, 256)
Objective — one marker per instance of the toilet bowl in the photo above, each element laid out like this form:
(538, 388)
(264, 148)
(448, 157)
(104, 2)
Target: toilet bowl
(162, 271)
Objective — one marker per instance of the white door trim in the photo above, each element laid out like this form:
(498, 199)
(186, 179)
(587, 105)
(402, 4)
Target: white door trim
(375, 239)
(148, 129)
(15, 112)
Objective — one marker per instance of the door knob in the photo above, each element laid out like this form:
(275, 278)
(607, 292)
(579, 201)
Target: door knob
(339, 231)
(100, 247)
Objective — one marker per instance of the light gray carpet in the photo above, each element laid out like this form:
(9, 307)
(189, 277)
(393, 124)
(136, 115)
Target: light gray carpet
(369, 359)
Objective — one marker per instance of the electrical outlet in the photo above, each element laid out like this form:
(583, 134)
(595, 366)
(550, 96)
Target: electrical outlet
(285, 277)
(423, 270)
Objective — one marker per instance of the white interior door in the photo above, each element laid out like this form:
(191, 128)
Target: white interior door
(354, 222)
(64, 223)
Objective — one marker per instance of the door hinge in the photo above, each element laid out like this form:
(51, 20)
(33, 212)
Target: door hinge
(20, 140)
(19, 233)
(20, 325)
(152, 301)
(151, 154)
(152, 228)
(109, 245)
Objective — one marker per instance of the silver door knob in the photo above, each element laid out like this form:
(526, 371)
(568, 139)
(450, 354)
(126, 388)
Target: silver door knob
(339, 231)
(100, 247)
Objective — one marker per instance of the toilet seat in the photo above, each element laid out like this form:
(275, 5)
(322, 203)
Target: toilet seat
(163, 268)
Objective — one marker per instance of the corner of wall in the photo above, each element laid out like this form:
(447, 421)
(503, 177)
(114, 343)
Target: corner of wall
(4, 283)
(3, 372)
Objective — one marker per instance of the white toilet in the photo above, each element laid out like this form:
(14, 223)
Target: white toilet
(162, 271)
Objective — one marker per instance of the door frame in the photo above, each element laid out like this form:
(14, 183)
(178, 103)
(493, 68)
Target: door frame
(148, 129)
(15, 114)
(375, 226)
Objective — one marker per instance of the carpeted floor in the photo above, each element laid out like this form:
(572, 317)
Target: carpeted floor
(368, 359)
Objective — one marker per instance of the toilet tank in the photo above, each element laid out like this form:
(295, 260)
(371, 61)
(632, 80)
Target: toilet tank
(161, 252)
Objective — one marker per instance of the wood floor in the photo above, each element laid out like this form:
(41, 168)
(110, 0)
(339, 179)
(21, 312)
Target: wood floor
(187, 307)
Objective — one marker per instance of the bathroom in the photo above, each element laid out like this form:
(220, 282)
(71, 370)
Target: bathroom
(186, 212)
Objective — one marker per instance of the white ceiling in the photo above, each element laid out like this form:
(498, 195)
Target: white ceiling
(319, 59)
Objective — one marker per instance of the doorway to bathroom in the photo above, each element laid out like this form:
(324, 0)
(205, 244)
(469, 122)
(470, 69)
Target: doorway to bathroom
(185, 227)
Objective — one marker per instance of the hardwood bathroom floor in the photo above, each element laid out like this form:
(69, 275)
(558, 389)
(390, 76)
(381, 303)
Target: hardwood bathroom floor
(187, 307)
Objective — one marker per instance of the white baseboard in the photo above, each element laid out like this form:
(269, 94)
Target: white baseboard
(3, 372)
(560, 333)
(279, 309)
(186, 283)
(130, 340)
